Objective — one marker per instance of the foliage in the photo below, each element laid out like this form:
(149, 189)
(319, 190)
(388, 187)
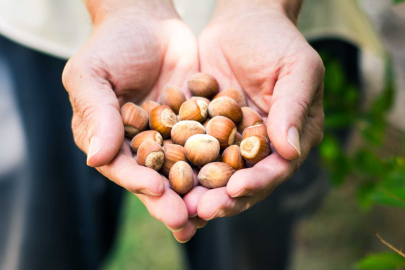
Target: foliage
(380, 180)
(398, 1)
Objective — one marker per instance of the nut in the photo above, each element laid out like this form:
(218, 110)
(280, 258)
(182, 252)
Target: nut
(234, 94)
(184, 130)
(238, 139)
(181, 177)
(145, 135)
(149, 105)
(201, 149)
(250, 118)
(194, 109)
(255, 148)
(135, 119)
(162, 119)
(255, 130)
(223, 129)
(215, 175)
(151, 155)
(225, 106)
(233, 157)
(203, 99)
(203, 85)
(173, 97)
(205, 123)
(173, 153)
(167, 141)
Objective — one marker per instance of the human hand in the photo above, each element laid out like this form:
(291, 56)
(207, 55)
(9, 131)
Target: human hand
(254, 45)
(136, 49)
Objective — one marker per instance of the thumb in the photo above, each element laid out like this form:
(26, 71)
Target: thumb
(293, 96)
(96, 105)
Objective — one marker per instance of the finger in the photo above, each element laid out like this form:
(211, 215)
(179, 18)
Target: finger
(201, 222)
(169, 208)
(95, 102)
(293, 95)
(125, 171)
(188, 232)
(273, 170)
(217, 203)
(192, 198)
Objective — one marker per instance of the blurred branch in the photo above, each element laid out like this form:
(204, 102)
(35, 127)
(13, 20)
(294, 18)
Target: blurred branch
(389, 245)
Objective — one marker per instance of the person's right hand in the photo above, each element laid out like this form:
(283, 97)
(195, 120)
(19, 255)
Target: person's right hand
(137, 48)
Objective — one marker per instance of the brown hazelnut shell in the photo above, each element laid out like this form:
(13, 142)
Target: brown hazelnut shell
(234, 94)
(233, 157)
(225, 106)
(173, 97)
(194, 109)
(143, 136)
(250, 118)
(215, 175)
(238, 139)
(181, 177)
(135, 119)
(201, 149)
(223, 129)
(255, 130)
(150, 154)
(149, 105)
(203, 85)
(255, 148)
(184, 130)
(202, 99)
(173, 154)
(162, 119)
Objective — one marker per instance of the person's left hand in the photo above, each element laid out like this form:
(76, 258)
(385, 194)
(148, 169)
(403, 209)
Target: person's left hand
(260, 50)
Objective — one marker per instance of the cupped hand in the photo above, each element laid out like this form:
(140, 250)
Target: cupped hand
(133, 53)
(257, 48)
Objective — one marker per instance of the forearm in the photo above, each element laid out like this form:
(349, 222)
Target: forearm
(290, 7)
(98, 9)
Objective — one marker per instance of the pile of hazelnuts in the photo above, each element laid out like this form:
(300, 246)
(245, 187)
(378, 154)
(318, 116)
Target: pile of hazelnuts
(217, 136)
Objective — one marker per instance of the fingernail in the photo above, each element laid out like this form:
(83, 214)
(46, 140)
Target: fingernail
(217, 214)
(181, 242)
(243, 192)
(194, 215)
(95, 144)
(293, 137)
(201, 226)
(148, 192)
(173, 230)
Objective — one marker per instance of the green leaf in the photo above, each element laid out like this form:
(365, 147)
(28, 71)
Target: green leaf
(394, 197)
(398, 1)
(364, 195)
(381, 261)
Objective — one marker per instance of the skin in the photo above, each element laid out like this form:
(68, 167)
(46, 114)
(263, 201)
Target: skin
(138, 47)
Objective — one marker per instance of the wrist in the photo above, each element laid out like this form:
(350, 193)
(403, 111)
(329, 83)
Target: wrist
(289, 8)
(100, 10)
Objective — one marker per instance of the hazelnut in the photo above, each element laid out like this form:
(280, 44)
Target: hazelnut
(145, 135)
(194, 109)
(181, 177)
(151, 155)
(255, 130)
(173, 153)
(149, 105)
(135, 119)
(225, 106)
(203, 99)
(162, 119)
(223, 129)
(234, 94)
(250, 118)
(255, 148)
(184, 130)
(173, 97)
(205, 123)
(238, 139)
(215, 175)
(201, 149)
(167, 141)
(203, 85)
(233, 157)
